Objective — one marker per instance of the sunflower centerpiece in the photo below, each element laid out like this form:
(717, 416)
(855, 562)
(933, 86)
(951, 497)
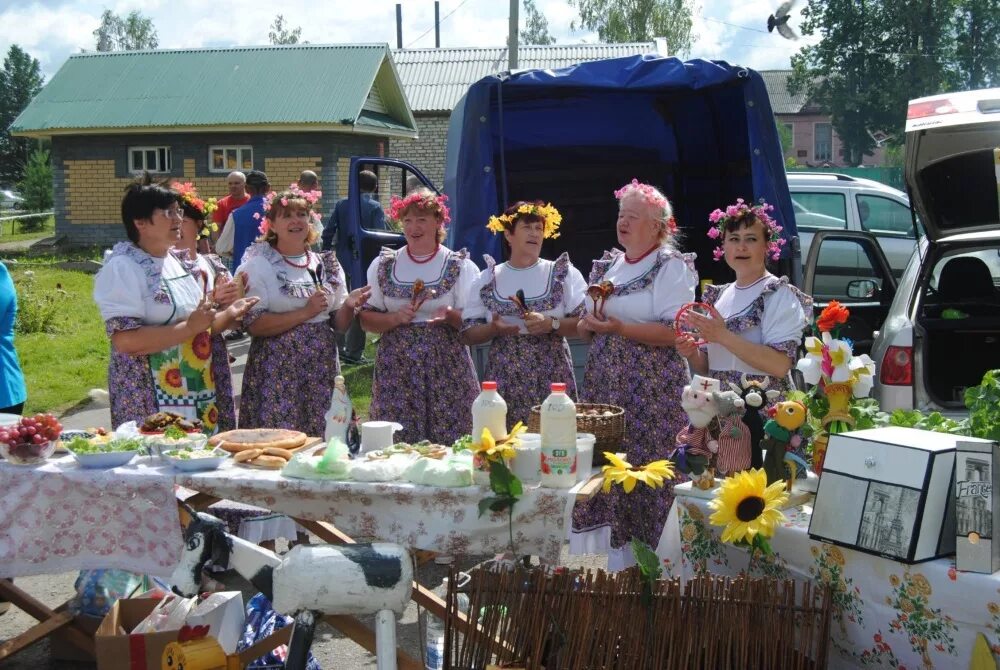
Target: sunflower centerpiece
(836, 375)
(748, 509)
(489, 468)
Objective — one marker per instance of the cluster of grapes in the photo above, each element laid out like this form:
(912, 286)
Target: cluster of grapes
(29, 437)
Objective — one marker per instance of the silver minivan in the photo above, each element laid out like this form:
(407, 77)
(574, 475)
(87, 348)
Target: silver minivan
(941, 331)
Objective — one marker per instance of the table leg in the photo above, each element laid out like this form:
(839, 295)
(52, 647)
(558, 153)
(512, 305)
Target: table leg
(40, 611)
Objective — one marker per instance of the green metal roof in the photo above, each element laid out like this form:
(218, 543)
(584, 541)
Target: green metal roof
(312, 87)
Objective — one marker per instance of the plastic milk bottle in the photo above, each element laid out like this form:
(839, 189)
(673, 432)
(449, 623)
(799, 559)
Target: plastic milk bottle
(489, 411)
(558, 428)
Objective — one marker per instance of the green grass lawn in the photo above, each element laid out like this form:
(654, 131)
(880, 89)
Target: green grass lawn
(12, 231)
(62, 366)
(358, 379)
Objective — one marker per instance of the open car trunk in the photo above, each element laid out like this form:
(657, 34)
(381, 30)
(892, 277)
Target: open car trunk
(959, 323)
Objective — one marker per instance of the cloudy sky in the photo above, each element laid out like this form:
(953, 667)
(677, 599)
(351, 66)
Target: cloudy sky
(51, 30)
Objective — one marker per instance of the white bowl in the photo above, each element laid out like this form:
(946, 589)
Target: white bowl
(104, 459)
(195, 464)
(158, 444)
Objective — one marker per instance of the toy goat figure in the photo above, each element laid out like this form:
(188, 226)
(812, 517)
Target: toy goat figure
(734, 437)
(787, 417)
(307, 582)
(696, 443)
(756, 395)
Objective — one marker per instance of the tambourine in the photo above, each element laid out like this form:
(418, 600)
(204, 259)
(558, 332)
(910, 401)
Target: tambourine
(681, 327)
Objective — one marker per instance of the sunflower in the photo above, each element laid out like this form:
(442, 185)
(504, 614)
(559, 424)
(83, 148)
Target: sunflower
(894, 581)
(197, 351)
(491, 450)
(922, 586)
(210, 416)
(171, 380)
(836, 555)
(622, 472)
(208, 377)
(747, 506)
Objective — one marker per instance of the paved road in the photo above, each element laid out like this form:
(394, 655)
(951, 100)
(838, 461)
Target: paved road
(332, 650)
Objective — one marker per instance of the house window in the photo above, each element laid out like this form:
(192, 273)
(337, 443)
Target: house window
(150, 159)
(228, 158)
(823, 137)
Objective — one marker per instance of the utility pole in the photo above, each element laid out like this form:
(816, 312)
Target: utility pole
(512, 41)
(437, 24)
(399, 26)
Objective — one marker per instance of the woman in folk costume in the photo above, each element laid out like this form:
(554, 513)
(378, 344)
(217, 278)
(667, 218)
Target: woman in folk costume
(424, 376)
(527, 307)
(756, 322)
(632, 363)
(160, 314)
(292, 360)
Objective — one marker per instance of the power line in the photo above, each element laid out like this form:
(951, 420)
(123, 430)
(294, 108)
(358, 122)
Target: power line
(733, 25)
(423, 34)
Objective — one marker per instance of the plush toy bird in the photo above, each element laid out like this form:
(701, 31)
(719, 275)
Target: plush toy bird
(788, 416)
(779, 20)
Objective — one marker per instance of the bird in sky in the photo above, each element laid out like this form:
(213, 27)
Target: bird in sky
(779, 20)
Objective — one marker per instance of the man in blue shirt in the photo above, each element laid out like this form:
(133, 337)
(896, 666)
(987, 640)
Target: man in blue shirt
(352, 345)
(242, 227)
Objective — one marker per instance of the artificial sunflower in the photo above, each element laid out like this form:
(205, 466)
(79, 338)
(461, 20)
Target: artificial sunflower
(491, 450)
(171, 380)
(748, 507)
(622, 472)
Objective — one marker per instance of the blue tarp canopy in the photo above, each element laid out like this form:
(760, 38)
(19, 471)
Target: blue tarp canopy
(702, 131)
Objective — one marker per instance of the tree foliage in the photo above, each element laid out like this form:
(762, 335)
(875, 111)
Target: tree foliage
(36, 186)
(280, 34)
(639, 21)
(131, 33)
(875, 55)
(20, 81)
(536, 26)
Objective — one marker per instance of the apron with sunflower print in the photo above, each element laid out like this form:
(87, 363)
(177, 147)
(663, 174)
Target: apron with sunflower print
(183, 378)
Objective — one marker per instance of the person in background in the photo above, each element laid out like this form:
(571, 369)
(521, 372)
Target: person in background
(632, 363)
(424, 376)
(12, 389)
(351, 344)
(236, 182)
(241, 228)
(413, 183)
(529, 349)
(308, 181)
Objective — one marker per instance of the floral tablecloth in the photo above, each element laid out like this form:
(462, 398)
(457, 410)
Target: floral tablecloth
(58, 517)
(886, 614)
(421, 517)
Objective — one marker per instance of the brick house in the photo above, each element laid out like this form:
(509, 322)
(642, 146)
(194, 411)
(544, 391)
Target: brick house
(814, 141)
(436, 79)
(197, 114)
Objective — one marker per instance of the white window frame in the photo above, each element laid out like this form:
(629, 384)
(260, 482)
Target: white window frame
(239, 148)
(161, 169)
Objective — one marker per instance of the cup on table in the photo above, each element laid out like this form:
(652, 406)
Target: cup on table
(584, 455)
(527, 462)
(377, 435)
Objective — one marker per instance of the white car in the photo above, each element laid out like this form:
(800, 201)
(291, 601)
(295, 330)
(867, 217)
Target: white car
(941, 331)
(10, 199)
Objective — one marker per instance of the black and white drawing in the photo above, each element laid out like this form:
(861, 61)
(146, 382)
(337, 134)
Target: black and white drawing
(888, 519)
(973, 496)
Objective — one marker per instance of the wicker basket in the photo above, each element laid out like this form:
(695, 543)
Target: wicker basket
(609, 430)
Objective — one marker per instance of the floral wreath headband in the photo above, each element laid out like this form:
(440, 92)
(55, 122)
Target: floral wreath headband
(293, 192)
(424, 201)
(652, 197)
(739, 211)
(188, 195)
(550, 216)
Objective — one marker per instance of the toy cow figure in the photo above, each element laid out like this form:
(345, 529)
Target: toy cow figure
(308, 582)
(734, 452)
(696, 443)
(780, 433)
(756, 396)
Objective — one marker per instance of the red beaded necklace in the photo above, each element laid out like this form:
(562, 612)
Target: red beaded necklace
(426, 260)
(634, 261)
(296, 265)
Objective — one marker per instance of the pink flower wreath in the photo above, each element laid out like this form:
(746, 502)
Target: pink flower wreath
(740, 210)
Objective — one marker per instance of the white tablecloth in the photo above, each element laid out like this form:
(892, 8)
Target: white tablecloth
(58, 516)
(886, 614)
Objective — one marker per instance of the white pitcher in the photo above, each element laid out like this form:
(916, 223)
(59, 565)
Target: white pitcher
(377, 435)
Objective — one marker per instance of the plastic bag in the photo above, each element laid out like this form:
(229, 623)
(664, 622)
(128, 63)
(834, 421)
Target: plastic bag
(261, 621)
(169, 614)
(98, 590)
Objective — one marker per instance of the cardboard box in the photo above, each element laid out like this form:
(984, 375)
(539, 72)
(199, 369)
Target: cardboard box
(118, 650)
(889, 492)
(977, 509)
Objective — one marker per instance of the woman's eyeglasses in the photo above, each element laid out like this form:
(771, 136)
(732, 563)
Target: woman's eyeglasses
(174, 213)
